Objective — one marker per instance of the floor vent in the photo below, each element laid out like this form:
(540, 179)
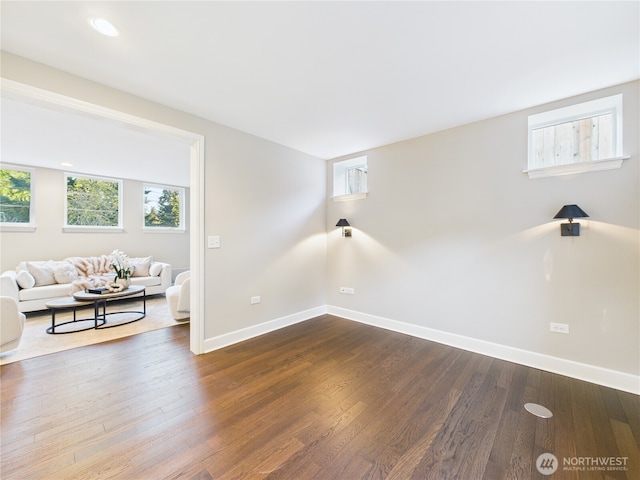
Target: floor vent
(538, 410)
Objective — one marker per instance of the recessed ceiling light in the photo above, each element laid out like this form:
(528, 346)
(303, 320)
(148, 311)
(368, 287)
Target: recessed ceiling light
(103, 26)
(66, 164)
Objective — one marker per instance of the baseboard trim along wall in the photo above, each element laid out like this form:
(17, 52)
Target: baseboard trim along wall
(221, 341)
(581, 371)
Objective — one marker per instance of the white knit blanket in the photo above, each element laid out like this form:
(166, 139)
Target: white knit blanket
(92, 272)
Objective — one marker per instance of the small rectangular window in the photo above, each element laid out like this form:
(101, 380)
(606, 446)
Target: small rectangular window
(93, 202)
(583, 140)
(350, 178)
(16, 194)
(163, 207)
(584, 134)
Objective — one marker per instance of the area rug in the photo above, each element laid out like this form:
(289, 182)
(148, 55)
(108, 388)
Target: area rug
(36, 341)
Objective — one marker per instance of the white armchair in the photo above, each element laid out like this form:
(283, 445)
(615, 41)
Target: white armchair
(178, 296)
(11, 324)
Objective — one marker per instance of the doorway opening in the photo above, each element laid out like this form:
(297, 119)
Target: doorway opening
(195, 142)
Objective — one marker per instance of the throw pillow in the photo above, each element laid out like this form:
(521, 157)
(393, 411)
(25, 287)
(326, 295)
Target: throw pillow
(42, 273)
(140, 266)
(25, 279)
(65, 273)
(155, 269)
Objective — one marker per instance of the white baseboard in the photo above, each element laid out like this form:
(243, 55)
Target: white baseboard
(221, 341)
(582, 371)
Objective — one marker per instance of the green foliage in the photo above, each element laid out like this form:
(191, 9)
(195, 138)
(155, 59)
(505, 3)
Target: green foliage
(15, 196)
(165, 212)
(92, 202)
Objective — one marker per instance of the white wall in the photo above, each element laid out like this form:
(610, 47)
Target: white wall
(49, 242)
(267, 203)
(454, 237)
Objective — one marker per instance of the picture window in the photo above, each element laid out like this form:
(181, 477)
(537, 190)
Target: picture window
(16, 198)
(163, 208)
(93, 202)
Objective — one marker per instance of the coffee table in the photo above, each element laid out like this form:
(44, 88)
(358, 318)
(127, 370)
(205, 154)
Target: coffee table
(99, 320)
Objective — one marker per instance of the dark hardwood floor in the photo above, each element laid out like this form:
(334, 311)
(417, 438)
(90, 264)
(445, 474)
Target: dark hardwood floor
(323, 399)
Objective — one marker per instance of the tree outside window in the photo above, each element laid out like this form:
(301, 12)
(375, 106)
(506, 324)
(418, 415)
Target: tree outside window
(163, 207)
(93, 202)
(15, 196)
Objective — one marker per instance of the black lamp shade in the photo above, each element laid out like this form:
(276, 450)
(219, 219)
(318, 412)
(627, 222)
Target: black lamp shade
(571, 211)
(342, 223)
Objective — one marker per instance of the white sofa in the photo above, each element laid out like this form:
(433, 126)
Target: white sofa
(33, 284)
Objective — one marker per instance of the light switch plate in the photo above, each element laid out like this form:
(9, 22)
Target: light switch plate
(213, 241)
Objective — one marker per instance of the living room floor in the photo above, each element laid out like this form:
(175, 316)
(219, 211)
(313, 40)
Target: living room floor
(36, 342)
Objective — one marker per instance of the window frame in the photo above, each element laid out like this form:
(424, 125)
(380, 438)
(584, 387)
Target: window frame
(17, 226)
(93, 228)
(151, 229)
(581, 111)
(340, 186)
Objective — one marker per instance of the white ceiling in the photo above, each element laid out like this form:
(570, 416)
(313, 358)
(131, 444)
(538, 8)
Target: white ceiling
(334, 78)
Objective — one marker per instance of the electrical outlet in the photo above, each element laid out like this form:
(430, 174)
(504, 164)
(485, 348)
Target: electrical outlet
(255, 300)
(347, 290)
(559, 327)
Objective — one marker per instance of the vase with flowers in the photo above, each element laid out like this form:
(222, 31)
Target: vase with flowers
(122, 266)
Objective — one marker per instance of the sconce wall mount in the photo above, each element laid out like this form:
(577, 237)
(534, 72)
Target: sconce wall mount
(346, 232)
(570, 212)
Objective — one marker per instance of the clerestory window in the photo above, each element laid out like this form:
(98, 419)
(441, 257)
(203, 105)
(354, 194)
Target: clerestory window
(350, 179)
(578, 138)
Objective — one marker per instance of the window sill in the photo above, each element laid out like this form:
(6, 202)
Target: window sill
(162, 230)
(70, 229)
(573, 168)
(17, 228)
(347, 198)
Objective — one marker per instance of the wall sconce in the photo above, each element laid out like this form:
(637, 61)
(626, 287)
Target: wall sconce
(346, 232)
(570, 211)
